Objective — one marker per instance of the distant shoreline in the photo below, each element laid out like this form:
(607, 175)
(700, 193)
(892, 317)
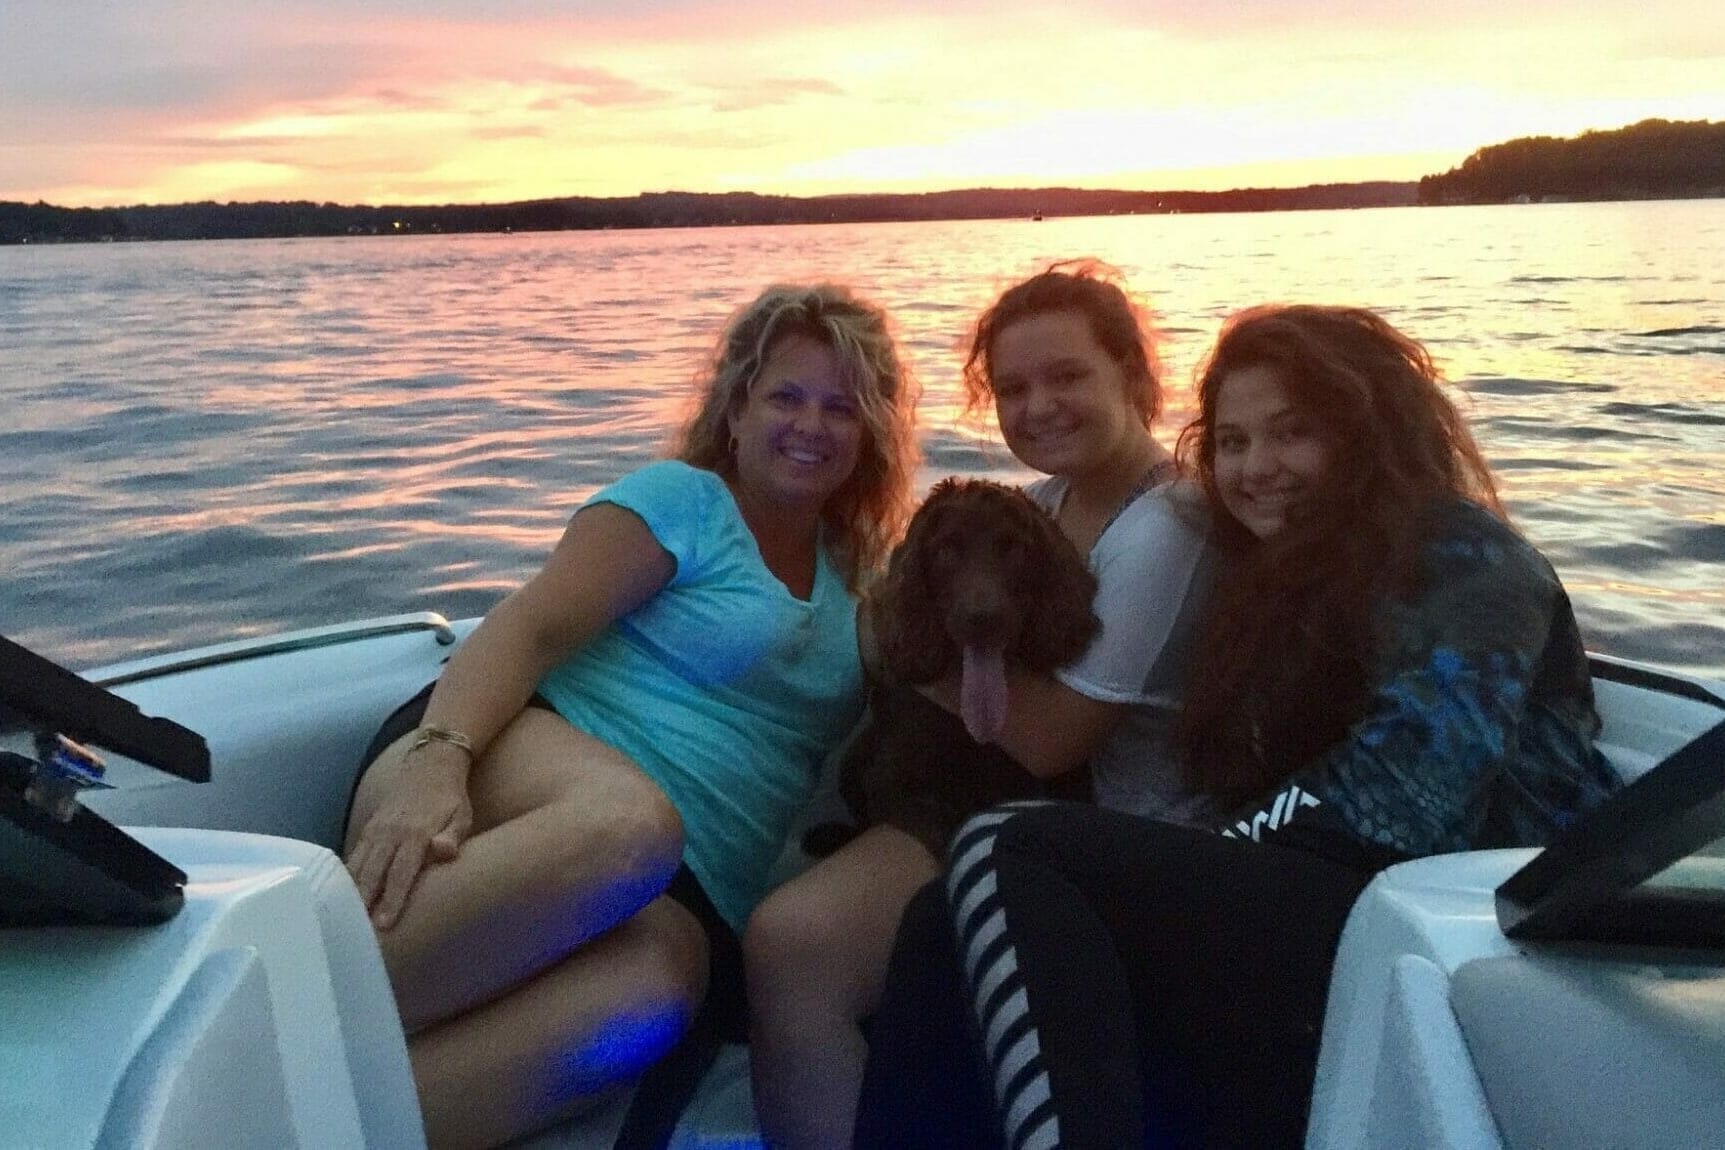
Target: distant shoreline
(1652, 160)
(47, 223)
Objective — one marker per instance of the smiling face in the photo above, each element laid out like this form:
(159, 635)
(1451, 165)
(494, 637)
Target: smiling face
(1269, 455)
(798, 433)
(1063, 402)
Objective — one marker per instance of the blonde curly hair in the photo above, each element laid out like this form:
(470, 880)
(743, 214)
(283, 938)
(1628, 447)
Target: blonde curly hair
(868, 513)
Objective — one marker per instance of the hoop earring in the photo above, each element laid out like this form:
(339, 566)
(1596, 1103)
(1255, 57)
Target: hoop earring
(732, 444)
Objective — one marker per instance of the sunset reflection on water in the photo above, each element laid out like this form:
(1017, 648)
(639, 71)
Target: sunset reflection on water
(209, 440)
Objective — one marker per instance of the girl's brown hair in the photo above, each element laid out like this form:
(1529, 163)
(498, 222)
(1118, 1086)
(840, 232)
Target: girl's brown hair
(1284, 670)
(1090, 288)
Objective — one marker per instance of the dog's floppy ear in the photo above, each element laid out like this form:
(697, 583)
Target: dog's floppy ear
(913, 643)
(1063, 622)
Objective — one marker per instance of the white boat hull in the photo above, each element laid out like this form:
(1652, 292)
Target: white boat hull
(287, 719)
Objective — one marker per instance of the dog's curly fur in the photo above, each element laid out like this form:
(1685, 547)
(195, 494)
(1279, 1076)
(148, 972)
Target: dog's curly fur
(981, 564)
(982, 561)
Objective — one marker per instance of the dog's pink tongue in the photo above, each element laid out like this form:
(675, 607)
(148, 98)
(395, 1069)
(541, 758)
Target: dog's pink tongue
(982, 694)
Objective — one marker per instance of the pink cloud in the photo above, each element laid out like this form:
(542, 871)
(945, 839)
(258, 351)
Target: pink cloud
(770, 92)
(596, 87)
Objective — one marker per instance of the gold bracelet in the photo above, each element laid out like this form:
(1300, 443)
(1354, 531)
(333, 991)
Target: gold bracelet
(424, 736)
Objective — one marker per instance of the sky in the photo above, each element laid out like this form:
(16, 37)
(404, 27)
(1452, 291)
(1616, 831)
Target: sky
(119, 102)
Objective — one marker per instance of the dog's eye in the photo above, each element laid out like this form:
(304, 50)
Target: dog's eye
(947, 553)
(1008, 546)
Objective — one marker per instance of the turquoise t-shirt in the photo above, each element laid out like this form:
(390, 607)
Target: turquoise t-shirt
(725, 688)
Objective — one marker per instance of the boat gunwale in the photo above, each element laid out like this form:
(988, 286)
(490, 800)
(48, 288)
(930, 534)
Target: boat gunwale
(1650, 678)
(239, 650)
(1608, 667)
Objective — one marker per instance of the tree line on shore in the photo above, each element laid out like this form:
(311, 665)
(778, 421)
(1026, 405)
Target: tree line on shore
(45, 223)
(1652, 159)
(1655, 159)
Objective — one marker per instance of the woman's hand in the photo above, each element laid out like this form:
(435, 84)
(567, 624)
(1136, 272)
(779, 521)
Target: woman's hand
(607, 564)
(423, 819)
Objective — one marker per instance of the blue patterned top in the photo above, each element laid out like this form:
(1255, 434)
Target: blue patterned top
(1480, 723)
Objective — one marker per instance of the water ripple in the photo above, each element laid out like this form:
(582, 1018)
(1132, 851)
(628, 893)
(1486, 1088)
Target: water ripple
(272, 434)
(1665, 413)
(1503, 386)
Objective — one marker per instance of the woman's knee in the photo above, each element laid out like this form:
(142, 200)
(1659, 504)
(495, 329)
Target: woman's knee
(977, 840)
(1033, 829)
(927, 920)
(628, 999)
(643, 828)
(673, 954)
(632, 832)
(791, 935)
(829, 932)
(810, 944)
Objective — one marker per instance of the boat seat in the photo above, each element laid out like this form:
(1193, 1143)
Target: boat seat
(365, 1022)
(1577, 1051)
(1397, 1068)
(259, 1015)
(1422, 1095)
(1393, 1071)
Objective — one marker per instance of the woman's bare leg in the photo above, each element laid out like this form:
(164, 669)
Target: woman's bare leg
(554, 1044)
(570, 839)
(815, 953)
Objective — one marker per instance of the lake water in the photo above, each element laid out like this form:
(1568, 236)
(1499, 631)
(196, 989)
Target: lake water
(201, 441)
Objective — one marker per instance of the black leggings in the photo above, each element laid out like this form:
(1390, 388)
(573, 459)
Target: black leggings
(1084, 978)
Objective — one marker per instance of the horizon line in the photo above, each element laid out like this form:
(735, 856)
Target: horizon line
(1066, 189)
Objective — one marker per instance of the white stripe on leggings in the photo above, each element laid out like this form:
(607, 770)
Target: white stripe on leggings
(975, 866)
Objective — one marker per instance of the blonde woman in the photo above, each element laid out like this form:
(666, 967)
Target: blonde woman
(560, 851)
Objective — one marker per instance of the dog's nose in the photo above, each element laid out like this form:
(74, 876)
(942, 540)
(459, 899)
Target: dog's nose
(981, 622)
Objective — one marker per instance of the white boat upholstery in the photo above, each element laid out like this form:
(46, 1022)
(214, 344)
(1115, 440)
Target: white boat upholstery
(1420, 1100)
(1587, 1051)
(1396, 1070)
(1441, 912)
(260, 1015)
(286, 732)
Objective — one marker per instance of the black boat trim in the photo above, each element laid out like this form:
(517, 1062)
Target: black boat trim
(1631, 675)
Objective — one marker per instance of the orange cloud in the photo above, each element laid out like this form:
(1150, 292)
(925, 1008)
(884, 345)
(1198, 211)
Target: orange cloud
(444, 100)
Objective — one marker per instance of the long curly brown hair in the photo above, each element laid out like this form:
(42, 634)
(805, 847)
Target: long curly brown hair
(1285, 668)
(866, 516)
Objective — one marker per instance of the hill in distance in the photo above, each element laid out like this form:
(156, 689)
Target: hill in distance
(1652, 159)
(38, 223)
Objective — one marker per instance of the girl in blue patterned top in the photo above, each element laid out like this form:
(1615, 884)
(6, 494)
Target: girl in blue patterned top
(561, 844)
(1371, 556)
(1389, 671)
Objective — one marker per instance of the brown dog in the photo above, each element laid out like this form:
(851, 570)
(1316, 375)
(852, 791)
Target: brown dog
(984, 579)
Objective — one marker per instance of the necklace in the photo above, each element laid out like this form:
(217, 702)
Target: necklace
(1069, 514)
(1154, 477)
